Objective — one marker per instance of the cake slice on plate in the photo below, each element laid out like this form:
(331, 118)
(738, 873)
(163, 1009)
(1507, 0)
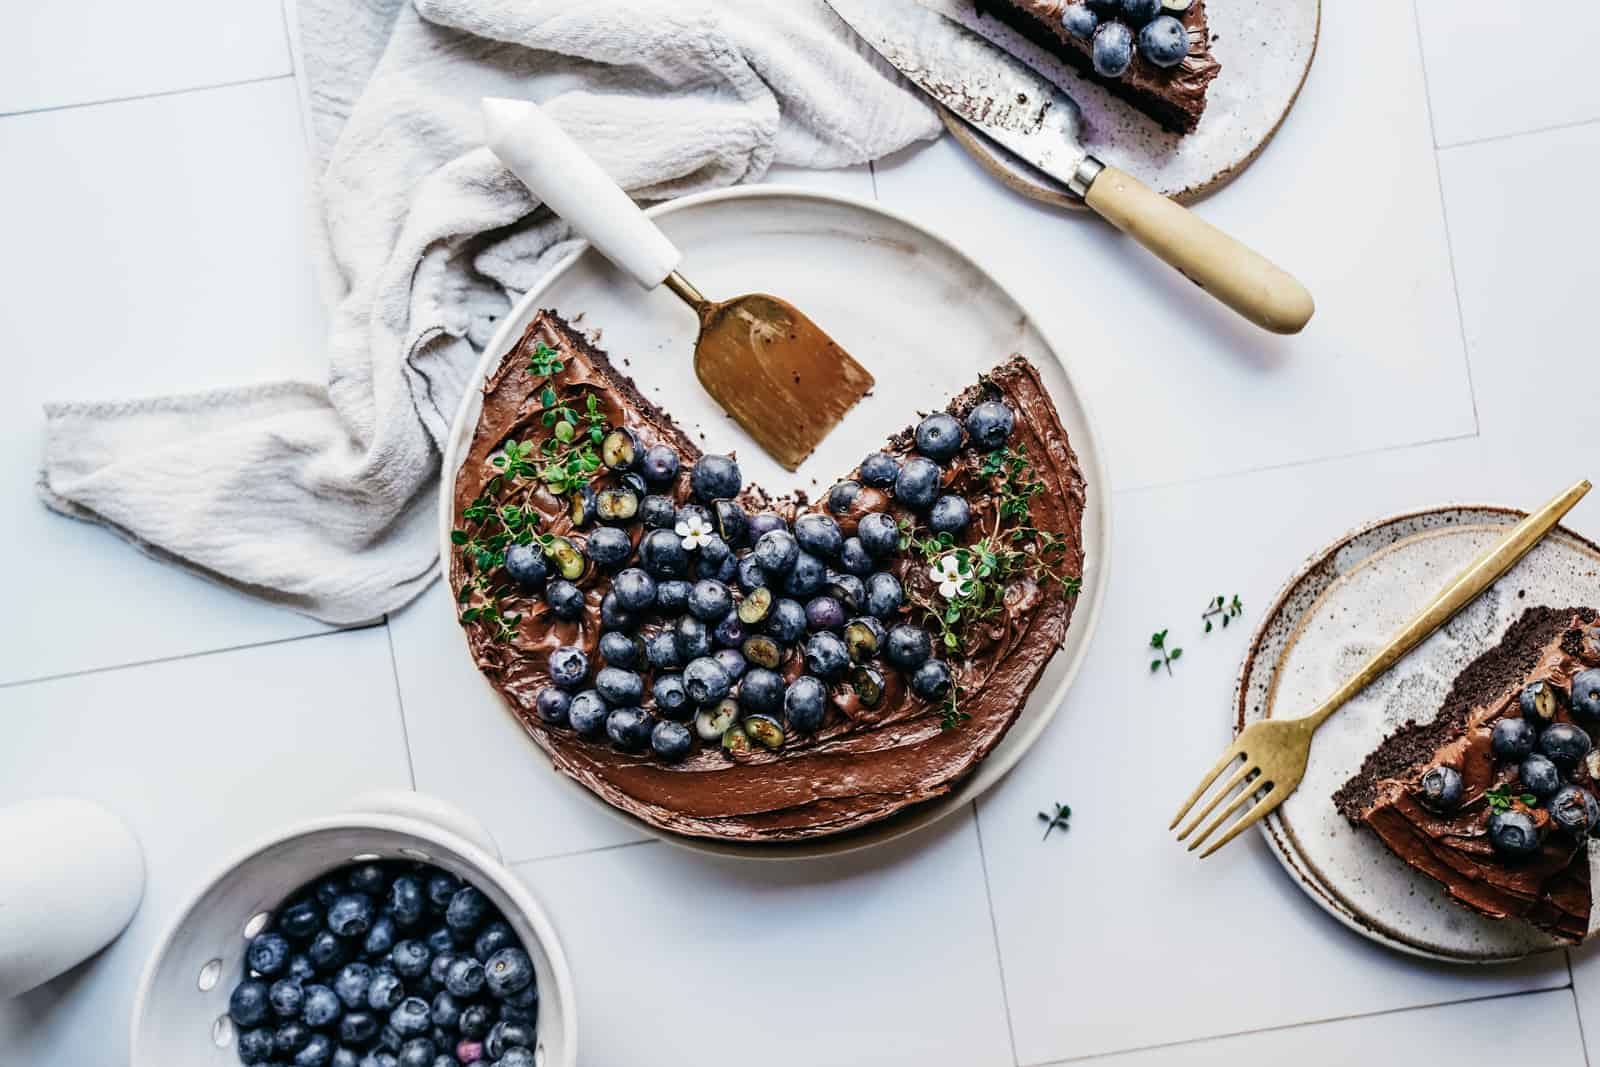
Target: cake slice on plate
(1155, 54)
(1494, 797)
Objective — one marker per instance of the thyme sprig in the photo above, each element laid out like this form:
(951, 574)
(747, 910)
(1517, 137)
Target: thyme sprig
(1056, 820)
(1226, 610)
(1167, 656)
(1501, 798)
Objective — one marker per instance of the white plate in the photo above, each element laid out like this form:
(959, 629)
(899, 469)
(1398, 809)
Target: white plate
(1265, 48)
(1333, 614)
(917, 312)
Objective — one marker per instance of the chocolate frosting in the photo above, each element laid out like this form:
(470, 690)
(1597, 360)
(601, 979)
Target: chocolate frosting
(1551, 889)
(1175, 96)
(864, 765)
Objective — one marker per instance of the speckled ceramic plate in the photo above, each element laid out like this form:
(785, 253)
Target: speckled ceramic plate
(1326, 621)
(1265, 48)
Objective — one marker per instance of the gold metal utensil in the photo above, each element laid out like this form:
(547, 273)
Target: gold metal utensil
(1271, 754)
(774, 370)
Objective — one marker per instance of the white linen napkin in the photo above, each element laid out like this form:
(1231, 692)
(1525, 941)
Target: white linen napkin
(322, 498)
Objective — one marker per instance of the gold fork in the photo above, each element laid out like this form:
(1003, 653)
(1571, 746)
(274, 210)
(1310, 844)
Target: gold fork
(1274, 751)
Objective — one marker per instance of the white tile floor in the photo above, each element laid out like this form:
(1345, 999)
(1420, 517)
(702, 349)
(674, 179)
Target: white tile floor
(1448, 362)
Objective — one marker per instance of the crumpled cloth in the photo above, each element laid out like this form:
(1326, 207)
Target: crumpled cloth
(322, 497)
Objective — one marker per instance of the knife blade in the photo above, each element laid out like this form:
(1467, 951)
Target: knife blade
(989, 88)
(1036, 120)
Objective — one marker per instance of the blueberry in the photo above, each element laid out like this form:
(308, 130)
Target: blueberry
(290, 1037)
(464, 978)
(317, 1052)
(406, 900)
(439, 940)
(1574, 809)
(824, 613)
(949, 515)
(327, 890)
(552, 704)
(568, 666)
(713, 550)
(352, 983)
(300, 920)
(414, 1016)
(1113, 50)
(863, 637)
(517, 1057)
(1539, 776)
(706, 681)
(693, 514)
(917, 484)
(491, 939)
(386, 992)
(847, 589)
(1164, 42)
(761, 691)
(932, 681)
(613, 616)
(286, 996)
(731, 522)
(411, 958)
(660, 466)
(345, 1057)
(475, 1021)
(1565, 744)
(565, 600)
(467, 910)
(1512, 739)
(255, 1046)
(805, 704)
(516, 1006)
(508, 971)
(939, 436)
(506, 1036)
(622, 650)
(619, 687)
(368, 878)
(991, 422)
(351, 915)
(764, 522)
(729, 633)
(776, 552)
(693, 638)
(663, 555)
(884, 595)
(249, 1003)
(671, 696)
(842, 495)
(854, 557)
(326, 952)
(1586, 696)
(715, 476)
(709, 601)
(818, 534)
(268, 953)
(635, 590)
(787, 620)
(908, 647)
(380, 939)
(358, 1027)
(609, 547)
(661, 650)
(1513, 833)
(807, 578)
(628, 728)
(672, 595)
(826, 655)
(526, 565)
(442, 885)
(300, 968)
(441, 965)
(658, 512)
(418, 1052)
(879, 533)
(1441, 789)
(670, 740)
(879, 469)
(724, 572)
(731, 660)
(321, 1007)
(1080, 22)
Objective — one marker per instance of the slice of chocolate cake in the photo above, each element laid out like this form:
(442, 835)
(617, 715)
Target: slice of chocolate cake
(722, 664)
(1155, 54)
(1494, 797)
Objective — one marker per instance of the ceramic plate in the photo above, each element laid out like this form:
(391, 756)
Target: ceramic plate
(1265, 48)
(917, 312)
(1325, 622)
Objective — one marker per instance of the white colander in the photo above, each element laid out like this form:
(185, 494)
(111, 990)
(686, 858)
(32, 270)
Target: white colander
(180, 1015)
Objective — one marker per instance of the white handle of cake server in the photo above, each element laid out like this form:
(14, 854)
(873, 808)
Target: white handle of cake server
(561, 174)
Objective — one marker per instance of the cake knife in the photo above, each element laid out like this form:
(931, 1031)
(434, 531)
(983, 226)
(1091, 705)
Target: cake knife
(1030, 116)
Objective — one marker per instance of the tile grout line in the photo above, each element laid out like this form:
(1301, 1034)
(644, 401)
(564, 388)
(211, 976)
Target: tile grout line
(1210, 1038)
(18, 683)
(872, 172)
(1444, 214)
(148, 96)
(531, 860)
(994, 930)
(1493, 137)
(400, 703)
(1577, 1009)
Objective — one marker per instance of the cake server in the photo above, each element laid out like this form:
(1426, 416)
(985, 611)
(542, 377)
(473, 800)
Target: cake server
(774, 370)
(1271, 754)
(1030, 116)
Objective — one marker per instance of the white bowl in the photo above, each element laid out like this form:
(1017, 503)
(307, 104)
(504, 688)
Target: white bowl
(180, 1014)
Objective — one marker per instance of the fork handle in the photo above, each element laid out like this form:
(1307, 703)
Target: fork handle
(1480, 574)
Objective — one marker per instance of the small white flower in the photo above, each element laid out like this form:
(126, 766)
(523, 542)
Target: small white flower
(954, 577)
(694, 530)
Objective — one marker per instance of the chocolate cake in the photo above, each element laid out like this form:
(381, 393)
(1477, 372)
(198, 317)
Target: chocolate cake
(1493, 797)
(1121, 45)
(774, 669)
